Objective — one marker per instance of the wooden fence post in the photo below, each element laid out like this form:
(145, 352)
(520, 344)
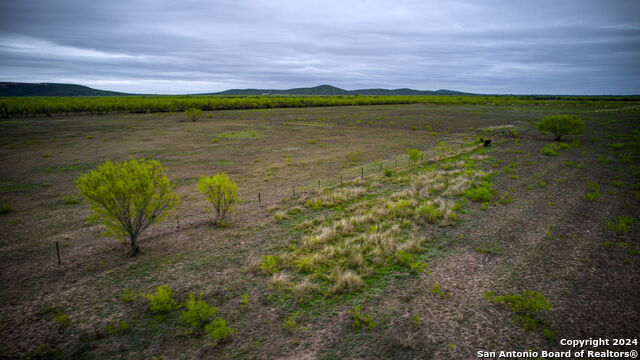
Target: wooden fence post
(58, 252)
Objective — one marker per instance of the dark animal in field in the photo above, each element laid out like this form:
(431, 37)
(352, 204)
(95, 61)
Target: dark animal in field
(486, 142)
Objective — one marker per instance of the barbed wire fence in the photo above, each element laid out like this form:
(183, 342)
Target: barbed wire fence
(397, 162)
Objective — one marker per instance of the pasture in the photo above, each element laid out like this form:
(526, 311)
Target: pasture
(535, 228)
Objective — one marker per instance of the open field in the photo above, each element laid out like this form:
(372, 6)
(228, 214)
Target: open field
(417, 249)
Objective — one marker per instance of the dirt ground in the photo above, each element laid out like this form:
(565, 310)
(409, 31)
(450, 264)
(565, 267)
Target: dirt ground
(548, 238)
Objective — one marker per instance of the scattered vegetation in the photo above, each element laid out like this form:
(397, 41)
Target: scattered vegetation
(337, 255)
(489, 248)
(247, 134)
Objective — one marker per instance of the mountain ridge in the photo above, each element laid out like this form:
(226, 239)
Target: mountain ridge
(332, 90)
(20, 89)
(52, 89)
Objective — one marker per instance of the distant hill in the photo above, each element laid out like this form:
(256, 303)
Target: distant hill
(51, 89)
(332, 90)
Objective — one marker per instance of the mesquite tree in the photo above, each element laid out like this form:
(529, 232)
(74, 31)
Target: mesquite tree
(221, 192)
(560, 125)
(126, 198)
(193, 113)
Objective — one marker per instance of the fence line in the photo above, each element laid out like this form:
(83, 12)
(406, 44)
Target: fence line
(398, 162)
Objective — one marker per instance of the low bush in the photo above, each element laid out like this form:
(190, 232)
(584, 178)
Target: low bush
(218, 330)
(197, 312)
(162, 301)
(193, 114)
(482, 193)
(361, 321)
(290, 323)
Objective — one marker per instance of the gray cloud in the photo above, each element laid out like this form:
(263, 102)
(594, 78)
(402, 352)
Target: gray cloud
(569, 47)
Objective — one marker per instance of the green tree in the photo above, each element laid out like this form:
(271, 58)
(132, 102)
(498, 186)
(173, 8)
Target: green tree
(414, 154)
(193, 113)
(560, 125)
(126, 198)
(221, 192)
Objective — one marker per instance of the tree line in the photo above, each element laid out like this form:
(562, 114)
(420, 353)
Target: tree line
(48, 106)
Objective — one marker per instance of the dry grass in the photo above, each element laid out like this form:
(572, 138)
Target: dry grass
(337, 256)
(335, 197)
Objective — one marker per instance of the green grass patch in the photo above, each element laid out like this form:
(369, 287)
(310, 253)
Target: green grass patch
(553, 149)
(10, 186)
(247, 134)
(71, 167)
(526, 306)
(5, 208)
(593, 192)
(622, 225)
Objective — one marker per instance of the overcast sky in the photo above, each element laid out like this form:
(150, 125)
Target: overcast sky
(149, 46)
